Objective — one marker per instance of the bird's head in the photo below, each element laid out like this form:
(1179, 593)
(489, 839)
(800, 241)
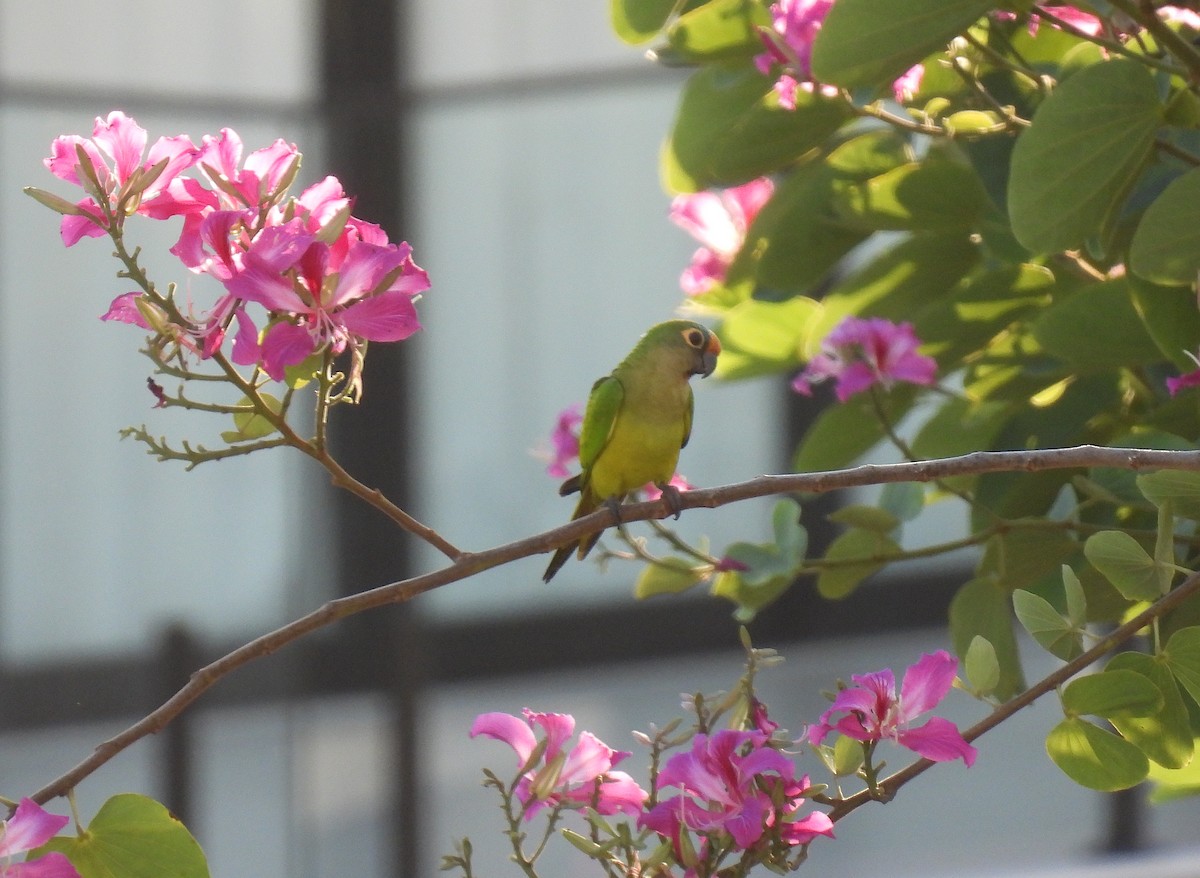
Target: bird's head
(694, 346)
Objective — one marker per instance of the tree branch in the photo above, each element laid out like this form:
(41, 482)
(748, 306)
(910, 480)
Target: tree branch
(468, 564)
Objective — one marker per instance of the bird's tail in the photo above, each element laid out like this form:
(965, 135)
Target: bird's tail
(587, 504)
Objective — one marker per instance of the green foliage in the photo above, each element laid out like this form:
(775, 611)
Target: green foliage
(1164, 735)
(1124, 563)
(133, 837)
(1088, 142)
(1096, 758)
(871, 42)
(1166, 246)
(1057, 635)
(981, 608)
(670, 576)
(767, 569)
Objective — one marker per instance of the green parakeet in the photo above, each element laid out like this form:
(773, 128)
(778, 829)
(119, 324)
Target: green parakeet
(637, 419)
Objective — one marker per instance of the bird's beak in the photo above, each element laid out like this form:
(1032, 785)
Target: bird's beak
(708, 360)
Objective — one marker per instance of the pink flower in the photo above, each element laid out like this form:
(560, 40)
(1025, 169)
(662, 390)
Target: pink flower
(908, 84)
(733, 787)
(794, 27)
(119, 140)
(579, 779)
(321, 297)
(719, 222)
(870, 710)
(858, 353)
(1187, 379)
(679, 483)
(31, 827)
(564, 439)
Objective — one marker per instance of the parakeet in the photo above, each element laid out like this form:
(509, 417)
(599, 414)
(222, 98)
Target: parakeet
(636, 421)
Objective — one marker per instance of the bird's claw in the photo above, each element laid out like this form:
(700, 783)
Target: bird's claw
(671, 495)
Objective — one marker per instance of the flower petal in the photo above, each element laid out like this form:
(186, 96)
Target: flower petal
(507, 728)
(939, 740)
(926, 683)
(29, 827)
(385, 317)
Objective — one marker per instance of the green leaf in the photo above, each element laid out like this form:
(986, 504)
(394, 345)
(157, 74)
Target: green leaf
(750, 598)
(1021, 557)
(870, 518)
(1094, 758)
(784, 556)
(847, 756)
(759, 338)
(982, 306)
(251, 425)
(1096, 328)
(914, 273)
(872, 42)
(715, 31)
(672, 576)
(1179, 488)
(1165, 736)
(935, 195)
(1171, 318)
(637, 21)
(840, 434)
(1182, 655)
(1076, 598)
(904, 500)
(1124, 563)
(730, 129)
(1166, 246)
(982, 608)
(834, 583)
(1171, 784)
(1112, 692)
(792, 243)
(1088, 142)
(981, 665)
(1054, 633)
(132, 836)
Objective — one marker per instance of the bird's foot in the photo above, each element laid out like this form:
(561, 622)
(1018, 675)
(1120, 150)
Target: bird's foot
(671, 495)
(613, 505)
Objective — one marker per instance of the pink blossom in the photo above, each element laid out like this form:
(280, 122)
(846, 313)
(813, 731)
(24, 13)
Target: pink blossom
(1184, 381)
(31, 827)
(908, 84)
(114, 154)
(794, 26)
(578, 779)
(322, 298)
(564, 439)
(858, 353)
(870, 711)
(652, 492)
(735, 788)
(719, 222)
(124, 309)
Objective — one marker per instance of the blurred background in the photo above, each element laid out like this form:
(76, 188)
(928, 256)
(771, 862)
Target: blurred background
(515, 144)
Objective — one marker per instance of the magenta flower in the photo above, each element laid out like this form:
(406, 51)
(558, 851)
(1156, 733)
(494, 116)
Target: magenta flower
(564, 439)
(115, 153)
(719, 222)
(1187, 379)
(734, 787)
(578, 779)
(858, 353)
(321, 298)
(652, 492)
(31, 827)
(908, 84)
(794, 27)
(870, 711)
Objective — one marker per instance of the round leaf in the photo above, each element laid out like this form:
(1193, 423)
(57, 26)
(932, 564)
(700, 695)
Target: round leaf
(1165, 736)
(134, 837)
(1055, 634)
(1083, 152)
(1124, 563)
(1094, 758)
(981, 608)
(1166, 246)
(1112, 692)
(872, 42)
(1182, 656)
(672, 576)
(838, 582)
(981, 665)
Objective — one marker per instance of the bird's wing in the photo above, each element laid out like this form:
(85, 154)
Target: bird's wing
(687, 418)
(603, 407)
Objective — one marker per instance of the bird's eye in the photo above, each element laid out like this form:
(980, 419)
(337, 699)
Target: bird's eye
(694, 337)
